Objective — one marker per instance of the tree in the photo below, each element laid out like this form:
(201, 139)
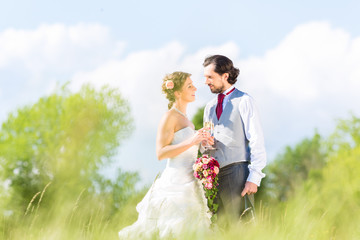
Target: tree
(291, 168)
(197, 120)
(63, 139)
(346, 135)
(327, 205)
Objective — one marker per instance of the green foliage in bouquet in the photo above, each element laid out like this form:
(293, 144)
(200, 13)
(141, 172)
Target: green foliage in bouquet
(211, 195)
(206, 169)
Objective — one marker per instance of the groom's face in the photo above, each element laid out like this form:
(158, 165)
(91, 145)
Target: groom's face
(214, 80)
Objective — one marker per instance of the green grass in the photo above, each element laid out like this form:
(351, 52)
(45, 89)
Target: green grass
(327, 206)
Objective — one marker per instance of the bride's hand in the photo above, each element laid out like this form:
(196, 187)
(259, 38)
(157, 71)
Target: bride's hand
(209, 139)
(200, 136)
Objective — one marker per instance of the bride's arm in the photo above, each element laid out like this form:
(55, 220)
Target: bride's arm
(165, 135)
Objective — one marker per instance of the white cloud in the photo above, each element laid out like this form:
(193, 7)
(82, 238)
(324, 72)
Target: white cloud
(33, 61)
(138, 77)
(308, 80)
(57, 48)
(140, 74)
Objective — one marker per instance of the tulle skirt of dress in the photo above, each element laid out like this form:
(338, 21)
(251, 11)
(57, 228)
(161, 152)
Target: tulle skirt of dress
(175, 204)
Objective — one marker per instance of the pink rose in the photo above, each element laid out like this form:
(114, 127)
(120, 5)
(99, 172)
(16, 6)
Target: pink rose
(206, 160)
(216, 170)
(208, 185)
(194, 167)
(198, 167)
(205, 166)
(169, 84)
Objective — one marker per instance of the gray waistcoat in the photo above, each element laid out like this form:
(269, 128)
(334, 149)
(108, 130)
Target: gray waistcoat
(230, 141)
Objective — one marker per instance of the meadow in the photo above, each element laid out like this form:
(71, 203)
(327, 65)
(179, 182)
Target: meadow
(51, 153)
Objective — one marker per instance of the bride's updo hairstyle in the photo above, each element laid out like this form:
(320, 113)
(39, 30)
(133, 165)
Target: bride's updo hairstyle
(173, 82)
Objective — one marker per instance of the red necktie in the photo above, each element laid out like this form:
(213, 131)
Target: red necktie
(219, 107)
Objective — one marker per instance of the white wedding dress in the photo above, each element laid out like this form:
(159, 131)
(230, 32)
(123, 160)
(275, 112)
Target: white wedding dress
(175, 203)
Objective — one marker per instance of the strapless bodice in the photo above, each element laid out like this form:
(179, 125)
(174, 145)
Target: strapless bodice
(187, 158)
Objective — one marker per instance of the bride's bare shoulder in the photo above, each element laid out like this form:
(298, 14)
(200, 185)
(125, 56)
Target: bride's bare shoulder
(169, 119)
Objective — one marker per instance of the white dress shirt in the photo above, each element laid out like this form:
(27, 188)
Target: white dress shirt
(253, 133)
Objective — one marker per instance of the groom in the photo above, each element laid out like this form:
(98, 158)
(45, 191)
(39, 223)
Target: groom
(238, 137)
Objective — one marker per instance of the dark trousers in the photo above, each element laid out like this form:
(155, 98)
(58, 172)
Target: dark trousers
(232, 179)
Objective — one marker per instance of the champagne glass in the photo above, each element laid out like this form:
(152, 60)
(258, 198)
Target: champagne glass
(209, 127)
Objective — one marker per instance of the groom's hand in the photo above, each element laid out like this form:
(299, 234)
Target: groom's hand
(250, 188)
(209, 139)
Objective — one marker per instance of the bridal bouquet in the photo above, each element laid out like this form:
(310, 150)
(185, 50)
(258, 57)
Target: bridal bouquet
(206, 169)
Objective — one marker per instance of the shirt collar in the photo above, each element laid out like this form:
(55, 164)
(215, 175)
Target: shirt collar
(229, 89)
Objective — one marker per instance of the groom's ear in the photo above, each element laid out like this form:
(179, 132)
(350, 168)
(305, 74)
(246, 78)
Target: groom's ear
(225, 76)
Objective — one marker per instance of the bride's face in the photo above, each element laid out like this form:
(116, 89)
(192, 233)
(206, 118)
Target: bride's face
(188, 91)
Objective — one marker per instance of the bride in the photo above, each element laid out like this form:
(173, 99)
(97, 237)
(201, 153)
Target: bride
(175, 204)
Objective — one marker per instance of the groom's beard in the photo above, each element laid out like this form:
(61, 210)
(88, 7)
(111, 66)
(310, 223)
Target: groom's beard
(216, 90)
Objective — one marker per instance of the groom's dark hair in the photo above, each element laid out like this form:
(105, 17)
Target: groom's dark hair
(223, 65)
